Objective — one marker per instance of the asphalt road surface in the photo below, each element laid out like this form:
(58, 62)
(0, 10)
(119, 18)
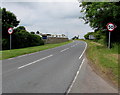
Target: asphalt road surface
(48, 71)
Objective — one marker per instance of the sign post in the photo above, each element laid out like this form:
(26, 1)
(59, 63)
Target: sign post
(10, 31)
(109, 44)
(110, 27)
(10, 42)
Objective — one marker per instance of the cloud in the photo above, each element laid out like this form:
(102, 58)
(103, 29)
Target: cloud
(50, 17)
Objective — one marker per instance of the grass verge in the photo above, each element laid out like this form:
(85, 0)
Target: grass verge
(104, 60)
(5, 54)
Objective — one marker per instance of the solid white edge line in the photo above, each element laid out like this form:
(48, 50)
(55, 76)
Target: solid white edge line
(34, 61)
(83, 51)
(75, 77)
(78, 70)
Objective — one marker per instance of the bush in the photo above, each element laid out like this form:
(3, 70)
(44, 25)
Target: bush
(5, 44)
(115, 47)
(87, 35)
(25, 39)
(35, 40)
(21, 39)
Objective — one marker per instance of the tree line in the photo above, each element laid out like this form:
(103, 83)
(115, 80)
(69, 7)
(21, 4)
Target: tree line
(21, 38)
(97, 15)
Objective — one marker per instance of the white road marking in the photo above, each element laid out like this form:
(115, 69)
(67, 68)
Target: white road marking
(64, 49)
(22, 55)
(75, 77)
(73, 46)
(83, 51)
(10, 58)
(77, 71)
(33, 53)
(35, 61)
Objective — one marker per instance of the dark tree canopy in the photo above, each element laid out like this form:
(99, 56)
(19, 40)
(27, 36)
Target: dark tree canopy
(18, 29)
(21, 37)
(37, 32)
(32, 32)
(8, 20)
(98, 14)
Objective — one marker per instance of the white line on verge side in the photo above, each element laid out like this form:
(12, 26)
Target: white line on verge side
(83, 51)
(75, 77)
(64, 49)
(34, 61)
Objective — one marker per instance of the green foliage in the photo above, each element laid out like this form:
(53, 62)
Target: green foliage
(20, 37)
(18, 29)
(105, 59)
(16, 52)
(25, 39)
(5, 44)
(116, 48)
(98, 14)
(37, 32)
(87, 35)
(32, 32)
(8, 20)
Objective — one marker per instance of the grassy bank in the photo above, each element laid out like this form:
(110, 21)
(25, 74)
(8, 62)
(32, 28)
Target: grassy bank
(104, 60)
(17, 52)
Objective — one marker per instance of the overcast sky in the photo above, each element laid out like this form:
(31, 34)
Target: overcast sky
(50, 17)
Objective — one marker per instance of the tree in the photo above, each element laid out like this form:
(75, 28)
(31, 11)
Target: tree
(8, 20)
(37, 32)
(18, 29)
(87, 35)
(21, 37)
(98, 14)
(32, 32)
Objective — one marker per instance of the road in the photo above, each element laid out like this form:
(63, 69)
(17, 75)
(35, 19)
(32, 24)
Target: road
(48, 71)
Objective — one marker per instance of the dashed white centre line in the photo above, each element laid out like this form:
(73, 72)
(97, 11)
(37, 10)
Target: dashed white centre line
(35, 61)
(73, 46)
(64, 49)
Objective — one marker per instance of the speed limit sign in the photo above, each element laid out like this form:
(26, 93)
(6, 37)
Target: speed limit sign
(110, 26)
(10, 30)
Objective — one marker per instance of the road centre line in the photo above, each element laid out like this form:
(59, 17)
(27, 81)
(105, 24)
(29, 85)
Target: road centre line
(35, 61)
(74, 45)
(33, 53)
(64, 49)
(22, 55)
(75, 77)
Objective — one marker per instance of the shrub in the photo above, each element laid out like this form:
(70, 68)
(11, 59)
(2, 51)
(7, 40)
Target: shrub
(25, 39)
(5, 44)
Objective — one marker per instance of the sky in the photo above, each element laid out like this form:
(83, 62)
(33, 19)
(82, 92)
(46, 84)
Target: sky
(49, 17)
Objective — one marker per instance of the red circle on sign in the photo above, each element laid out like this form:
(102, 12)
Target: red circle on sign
(10, 30)
(110, 27)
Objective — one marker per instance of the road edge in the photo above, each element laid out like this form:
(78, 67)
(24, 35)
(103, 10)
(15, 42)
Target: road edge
(77, 73)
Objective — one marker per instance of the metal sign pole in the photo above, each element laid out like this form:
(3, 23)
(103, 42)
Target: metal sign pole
(109, 40)
(10, 42)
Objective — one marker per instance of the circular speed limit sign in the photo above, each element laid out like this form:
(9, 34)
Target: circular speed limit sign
(10, 30)
(110, 26)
